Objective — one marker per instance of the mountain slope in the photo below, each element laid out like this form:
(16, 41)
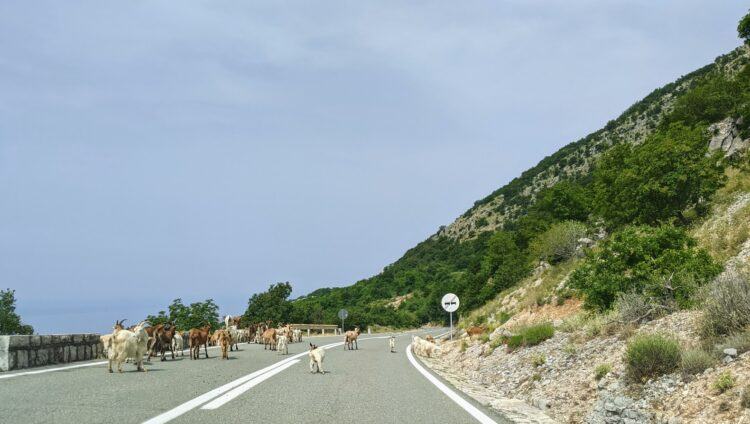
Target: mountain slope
(467, 256)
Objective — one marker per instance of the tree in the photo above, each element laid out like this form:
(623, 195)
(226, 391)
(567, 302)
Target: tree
(559, 242)
(502, 266)
(271, 305)
(10, 321)
(564, 201)
(743, 29)
(662, 263)
(184, 317)
(659, 180)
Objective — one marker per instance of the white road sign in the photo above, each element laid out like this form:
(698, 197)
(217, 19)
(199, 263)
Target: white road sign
(450, 302)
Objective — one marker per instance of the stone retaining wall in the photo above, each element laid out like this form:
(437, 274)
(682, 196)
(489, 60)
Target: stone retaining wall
(18, 352)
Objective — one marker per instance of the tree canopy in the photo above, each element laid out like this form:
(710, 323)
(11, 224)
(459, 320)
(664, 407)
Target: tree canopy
(10, 321)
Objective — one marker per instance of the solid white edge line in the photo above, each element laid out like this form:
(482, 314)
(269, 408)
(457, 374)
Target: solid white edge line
(226, 397)
(46, 370)
(463, 403)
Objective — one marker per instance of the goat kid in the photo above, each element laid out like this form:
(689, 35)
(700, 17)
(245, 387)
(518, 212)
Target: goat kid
(317, 354)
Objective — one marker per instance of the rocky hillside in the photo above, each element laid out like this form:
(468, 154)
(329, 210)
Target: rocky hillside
(575, 160)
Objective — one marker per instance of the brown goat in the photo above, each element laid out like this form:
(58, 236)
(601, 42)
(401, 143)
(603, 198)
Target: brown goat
(223, 339)
(163, 335)
(475, 331)
(269, 338)
(350, 339)
(198, 337)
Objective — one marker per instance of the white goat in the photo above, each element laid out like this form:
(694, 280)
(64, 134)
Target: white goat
(178, 343)
(296, 335)
(392, 343)
(317, 354)
(281, 345)
(422, 347)
(126, 344)
(234, 335)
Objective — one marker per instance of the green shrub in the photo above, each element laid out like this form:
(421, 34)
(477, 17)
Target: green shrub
(727, 306)
(514, 341)
(484, 338)
(724, 382)
(559, 242)
(651, 355)
(530, 336)
(696, 361)
(464, 345)
(662, 263)
(536, 334)
(602, 370)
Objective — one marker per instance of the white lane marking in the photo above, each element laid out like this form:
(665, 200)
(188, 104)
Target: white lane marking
(70, 367)
(200, 400)
(463, 403)
(19, 374)
(226, 397)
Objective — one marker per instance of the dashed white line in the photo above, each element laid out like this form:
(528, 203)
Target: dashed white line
(463, 403)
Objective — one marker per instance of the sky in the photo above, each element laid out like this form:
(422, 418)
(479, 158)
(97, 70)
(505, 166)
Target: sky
(151, 150)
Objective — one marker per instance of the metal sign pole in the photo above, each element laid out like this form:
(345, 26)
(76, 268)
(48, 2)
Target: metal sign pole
(451, 326)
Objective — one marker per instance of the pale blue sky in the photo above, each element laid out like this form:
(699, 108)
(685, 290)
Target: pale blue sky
(152, 150)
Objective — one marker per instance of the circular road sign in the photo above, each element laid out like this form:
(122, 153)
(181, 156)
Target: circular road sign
(450, 302)
(343, 314)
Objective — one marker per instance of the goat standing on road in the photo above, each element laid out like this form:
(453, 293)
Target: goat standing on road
(225, 341)
(126, 344)
(198, 337)
(281, 345)
(392, 343)
(350, 339)
(317, 354)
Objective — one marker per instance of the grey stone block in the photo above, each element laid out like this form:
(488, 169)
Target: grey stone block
(73, 354)
(65, 338)
(81, 353)
(19, 342)
(4, 340)
(22, 359)
(35, 341)
(41, 357)
(12, 361)
(77, 338)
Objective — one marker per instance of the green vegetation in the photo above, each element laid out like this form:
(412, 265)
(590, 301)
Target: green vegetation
(743, 29)
(651, 355)
(659, 180)
(271, 305)
(10, 321)
(530, 336)
(601, 371)
(559, 242)
(661, 262)
(724, 382)
(696, 361)
(184, 317)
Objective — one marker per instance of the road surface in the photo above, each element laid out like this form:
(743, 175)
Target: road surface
(368, 385)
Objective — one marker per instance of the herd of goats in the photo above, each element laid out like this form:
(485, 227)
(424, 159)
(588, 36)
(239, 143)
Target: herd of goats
(145, 340)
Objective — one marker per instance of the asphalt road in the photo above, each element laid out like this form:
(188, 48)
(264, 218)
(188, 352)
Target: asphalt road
(364, 386)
